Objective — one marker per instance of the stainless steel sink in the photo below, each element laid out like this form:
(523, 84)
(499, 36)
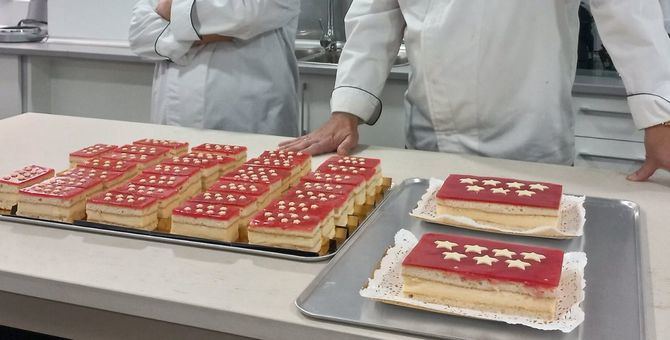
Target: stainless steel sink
(318, 55)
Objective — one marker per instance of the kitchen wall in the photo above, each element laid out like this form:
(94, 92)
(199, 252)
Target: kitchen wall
(86, 19)
(11, 11)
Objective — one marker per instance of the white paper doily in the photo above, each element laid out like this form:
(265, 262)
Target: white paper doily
(571, 220)
(386, 286)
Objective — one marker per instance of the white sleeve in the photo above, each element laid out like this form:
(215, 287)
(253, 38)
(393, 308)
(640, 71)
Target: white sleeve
(374, 34)
(153, 37)
(234, 18)
(634, 35)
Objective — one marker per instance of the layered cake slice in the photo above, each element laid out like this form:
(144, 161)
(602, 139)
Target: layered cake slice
(340, 194)
(294, 171)
(247, 204)
(90, 152)
(235, 151)
(186, 186)
(109, 178)
(209, 169)
(300, 159)
(485, 275)
(226, 164)
(361, 162)
(211, 221)
(500, 201)
(258, 190)
(90, 185)
(52, 202)
(176, 148)
(287, 230)
(19, 179)
(129, 169)
(143, 161)
(148, 150)
(372, 179)
(168, 199)
(332, 207)
(193, 175)
(276, 180)
(134, 211)
(357, 182)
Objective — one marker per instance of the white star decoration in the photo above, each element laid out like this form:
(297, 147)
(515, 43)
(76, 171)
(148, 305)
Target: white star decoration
(503, 252)
(468, 180)
(474, 188)
(499, 191)
(474, 248)
(525, 193)
(533, 256)
(538, 187)
(517, 264)
(453, 256)
(485, 260)
(491, 182)
(445, 244)
(515, 185)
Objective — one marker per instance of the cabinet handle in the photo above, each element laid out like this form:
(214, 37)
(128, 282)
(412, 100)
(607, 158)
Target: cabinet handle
(627, 159)
(594, 112)
(302, 125)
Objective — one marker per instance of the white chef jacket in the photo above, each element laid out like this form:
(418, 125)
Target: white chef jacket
(494, 77)
(249, 84)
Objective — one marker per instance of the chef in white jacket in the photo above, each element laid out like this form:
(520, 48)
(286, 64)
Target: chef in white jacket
(494, 77)
(221, 64)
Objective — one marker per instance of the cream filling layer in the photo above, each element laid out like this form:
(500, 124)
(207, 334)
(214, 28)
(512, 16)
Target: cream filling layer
(199, 230)
(495, 301)
(508, 209)
(286, 241)
(148, 222)
(206, 222)
(48, 211)
(522, 221)
(8, 200)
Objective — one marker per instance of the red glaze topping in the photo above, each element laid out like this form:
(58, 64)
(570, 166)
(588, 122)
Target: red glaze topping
(51, 190)
(108, 164)
(146, 190)
(165, 143)
(161, 181)
(273, 163)
(220, 148)
(303, 204)
(322, 198)
(103, 175)
(335, 178)
(27, 174)
(329, 187)
(257, 174)
(291, 156)
(123, 200)
(284, 221)
(76, 181)
(210, 211)
(241, 187)
(331, 168)
(173, 170)
(227, 198)
(93, 151)
(542, 266)
(144, 149)
(354, 161)
(132, 157)
(191, 162)
(501, 191)
(212, 157)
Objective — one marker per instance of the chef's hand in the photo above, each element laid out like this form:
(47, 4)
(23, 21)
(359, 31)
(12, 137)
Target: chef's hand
(657, 146)
(339, 133)
(164, 9)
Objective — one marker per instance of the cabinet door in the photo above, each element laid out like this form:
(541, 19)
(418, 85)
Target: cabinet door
(607, 154)
(388, 131)
(605, 117)
(10, 86)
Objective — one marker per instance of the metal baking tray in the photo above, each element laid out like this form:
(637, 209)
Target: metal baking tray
(613, 303)
(163, 237)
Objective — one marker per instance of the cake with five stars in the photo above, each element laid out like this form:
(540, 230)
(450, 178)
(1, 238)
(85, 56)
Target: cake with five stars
(481, 274)
(508, 202)
(11, 183)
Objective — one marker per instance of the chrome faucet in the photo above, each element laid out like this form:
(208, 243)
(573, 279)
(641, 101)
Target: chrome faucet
(328, 40)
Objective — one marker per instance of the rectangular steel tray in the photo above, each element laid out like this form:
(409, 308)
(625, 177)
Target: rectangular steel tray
(156, 236)
(614, 299)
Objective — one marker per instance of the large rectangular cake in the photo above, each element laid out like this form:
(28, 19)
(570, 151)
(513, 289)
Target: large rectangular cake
(500, 201)
(481, 274)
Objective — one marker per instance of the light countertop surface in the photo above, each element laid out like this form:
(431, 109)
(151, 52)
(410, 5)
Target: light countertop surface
(246, 294)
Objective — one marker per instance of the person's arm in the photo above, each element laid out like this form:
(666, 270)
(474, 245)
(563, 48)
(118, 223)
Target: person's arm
(152, 36)
(374, 34)
(233, 18)
(633, 32)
